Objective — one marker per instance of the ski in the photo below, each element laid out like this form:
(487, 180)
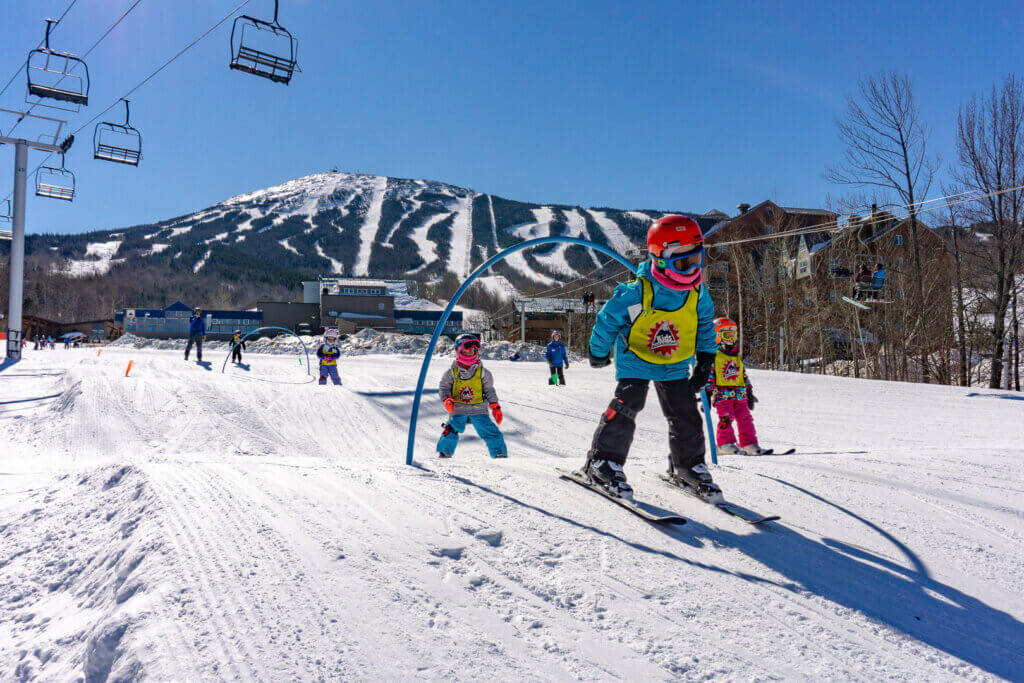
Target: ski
(769, 451)
(727, 508)
(628, 504)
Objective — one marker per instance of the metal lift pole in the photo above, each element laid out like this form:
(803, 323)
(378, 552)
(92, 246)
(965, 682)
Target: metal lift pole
(14, 327)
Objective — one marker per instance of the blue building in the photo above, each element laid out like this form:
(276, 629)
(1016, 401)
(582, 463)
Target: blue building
(422, 322)
(172, 322)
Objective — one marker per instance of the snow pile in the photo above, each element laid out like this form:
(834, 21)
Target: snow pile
(75, 581)
(363, 343)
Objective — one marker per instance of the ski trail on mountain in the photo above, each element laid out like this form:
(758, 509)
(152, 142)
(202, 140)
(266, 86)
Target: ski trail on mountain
(368, 231)
(616, 238)
(462, 238)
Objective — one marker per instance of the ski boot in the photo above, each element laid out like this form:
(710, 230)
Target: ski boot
(699, 480)
(609, 475)
(728, 449)
(442, 454)
(752, 449)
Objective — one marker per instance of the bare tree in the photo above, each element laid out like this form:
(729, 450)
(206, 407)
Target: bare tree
(990, 155)
(887, 148)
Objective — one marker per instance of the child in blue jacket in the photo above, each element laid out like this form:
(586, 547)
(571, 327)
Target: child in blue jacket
(328, 354)
(558, 359)
(658, 324)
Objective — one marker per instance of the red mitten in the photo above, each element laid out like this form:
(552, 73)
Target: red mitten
(496, 412)
(449, 404)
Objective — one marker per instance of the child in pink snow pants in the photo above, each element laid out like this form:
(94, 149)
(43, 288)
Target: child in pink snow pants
(730, 392)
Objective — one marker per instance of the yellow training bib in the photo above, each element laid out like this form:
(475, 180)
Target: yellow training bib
(729, 371)
(468, 391)
(664, 337)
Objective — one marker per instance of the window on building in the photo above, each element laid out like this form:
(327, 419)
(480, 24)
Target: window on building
(899, 240)
(380, 306)
(808, 300)
(833, 296)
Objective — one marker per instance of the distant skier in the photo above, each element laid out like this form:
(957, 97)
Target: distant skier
(730, 392)
(657, 323)
(467, 391)
(328, 353)
(237, 346)
(196, 334)
(558, 359)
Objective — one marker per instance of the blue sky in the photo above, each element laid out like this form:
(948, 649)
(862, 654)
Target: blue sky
(661, 105)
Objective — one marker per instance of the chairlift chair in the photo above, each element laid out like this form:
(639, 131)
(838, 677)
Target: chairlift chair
(55, 183)
(263, 48)
(116, 142)
(54, 75)
(5, 211)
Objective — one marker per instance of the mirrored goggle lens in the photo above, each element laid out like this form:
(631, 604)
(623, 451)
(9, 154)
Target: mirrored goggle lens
(686, 263)
(471, 345)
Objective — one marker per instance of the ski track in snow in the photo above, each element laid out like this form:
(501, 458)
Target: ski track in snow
(462, 237)
(337, 267)
(180, 523)
(284, 243)
(368, 231)
(201, 262)
(427, 248)
(616, 238)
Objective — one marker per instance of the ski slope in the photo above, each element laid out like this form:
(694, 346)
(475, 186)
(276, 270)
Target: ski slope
(183, 524)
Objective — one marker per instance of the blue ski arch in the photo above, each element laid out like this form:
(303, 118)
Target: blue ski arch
(309, 370)
(462, 290)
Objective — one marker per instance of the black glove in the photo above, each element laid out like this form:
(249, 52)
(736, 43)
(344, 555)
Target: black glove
(705, 362)
(751, 399)
(598, 361)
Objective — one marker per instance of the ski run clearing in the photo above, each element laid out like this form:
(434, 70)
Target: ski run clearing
(183, 524)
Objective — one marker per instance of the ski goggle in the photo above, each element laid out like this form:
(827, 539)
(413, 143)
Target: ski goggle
(685, 264)
(728, 335)
(470, 345)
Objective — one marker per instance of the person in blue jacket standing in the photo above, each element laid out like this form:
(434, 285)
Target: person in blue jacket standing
(661, 326)
(196, 334)
(558, 359)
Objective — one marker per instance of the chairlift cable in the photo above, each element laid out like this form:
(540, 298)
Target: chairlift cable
(150, 76)
(84, 55)
(18, 71)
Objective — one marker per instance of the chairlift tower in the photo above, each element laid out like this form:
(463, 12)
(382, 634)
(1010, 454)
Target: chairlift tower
(21, 148)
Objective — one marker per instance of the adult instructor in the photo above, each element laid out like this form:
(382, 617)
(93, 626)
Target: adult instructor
(196, 334)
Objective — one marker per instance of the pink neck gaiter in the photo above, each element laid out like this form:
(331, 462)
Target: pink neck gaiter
(464, 360)
(676, 281)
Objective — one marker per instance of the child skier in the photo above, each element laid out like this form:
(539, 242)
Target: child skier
(328, 354)
(467, 390)
(557, 357)
(731, 394)
(658, 324)
(237, 346)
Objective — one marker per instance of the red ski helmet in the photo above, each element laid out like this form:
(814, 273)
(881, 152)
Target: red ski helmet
(673, 231)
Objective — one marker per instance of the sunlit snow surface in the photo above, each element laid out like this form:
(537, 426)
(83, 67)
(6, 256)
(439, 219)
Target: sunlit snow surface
(183, 524)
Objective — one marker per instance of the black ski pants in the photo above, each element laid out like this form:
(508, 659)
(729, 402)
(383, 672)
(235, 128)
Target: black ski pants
(614, 434)
(556, 371)
(236, 354)
(196, 339)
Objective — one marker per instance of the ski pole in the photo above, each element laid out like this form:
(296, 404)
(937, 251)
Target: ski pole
(707, 421)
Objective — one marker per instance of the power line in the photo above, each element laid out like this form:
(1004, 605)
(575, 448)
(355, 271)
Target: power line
(18, 70)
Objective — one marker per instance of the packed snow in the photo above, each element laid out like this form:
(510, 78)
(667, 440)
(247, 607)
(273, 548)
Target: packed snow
(179, 523)
(368, 231)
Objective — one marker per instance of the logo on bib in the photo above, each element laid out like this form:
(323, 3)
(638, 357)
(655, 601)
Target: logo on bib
(466, 395)
(731, 371)
(663, 339)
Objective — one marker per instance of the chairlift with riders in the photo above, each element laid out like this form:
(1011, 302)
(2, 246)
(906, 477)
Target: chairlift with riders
(55, 183)
(54, 75)
(119, 143)
(263, 48)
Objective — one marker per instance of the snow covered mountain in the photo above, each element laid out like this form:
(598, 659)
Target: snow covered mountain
(356, 224)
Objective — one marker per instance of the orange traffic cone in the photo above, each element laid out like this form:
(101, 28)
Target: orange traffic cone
(99, 351)
(130, 363)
